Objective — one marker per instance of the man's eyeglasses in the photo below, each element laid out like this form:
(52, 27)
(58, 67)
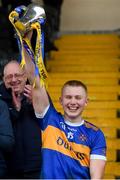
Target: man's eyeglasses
(17, 76)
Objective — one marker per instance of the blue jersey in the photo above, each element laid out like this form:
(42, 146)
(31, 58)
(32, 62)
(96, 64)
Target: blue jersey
(68, 148)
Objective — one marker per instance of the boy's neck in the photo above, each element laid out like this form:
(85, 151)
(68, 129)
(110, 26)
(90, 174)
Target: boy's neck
(71, 123)
(74, 120)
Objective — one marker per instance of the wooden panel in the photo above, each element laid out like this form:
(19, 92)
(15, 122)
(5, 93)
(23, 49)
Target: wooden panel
(111, 155)
(97, 89)
(113, 168)
(112, 53)
(109, 113)
(102, 97)
(78, 75)
(89, 38)
(84, 68)
(104, 88)
(94, 113)
(106, 105)
(78, 59)
(80, 46)
(56, 56)
(106, 122)
(109, 132)
(88, 81)
(109, 176)
(113, 144)
(90, 49)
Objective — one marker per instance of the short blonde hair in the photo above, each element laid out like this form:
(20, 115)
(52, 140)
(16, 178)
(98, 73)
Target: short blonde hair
(75, 83)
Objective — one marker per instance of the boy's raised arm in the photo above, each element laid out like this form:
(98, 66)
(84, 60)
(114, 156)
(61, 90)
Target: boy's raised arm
(39, 95)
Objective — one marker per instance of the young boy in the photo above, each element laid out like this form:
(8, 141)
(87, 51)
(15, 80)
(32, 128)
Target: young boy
(72, 148)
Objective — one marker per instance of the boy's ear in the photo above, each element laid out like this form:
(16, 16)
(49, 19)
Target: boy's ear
(86, 103)
(60, 100)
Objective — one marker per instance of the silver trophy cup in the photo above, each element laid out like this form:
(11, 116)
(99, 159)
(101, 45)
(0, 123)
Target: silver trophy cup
(33, 13)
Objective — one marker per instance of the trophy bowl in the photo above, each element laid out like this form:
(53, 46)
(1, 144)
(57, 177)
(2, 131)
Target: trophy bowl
(33, 13)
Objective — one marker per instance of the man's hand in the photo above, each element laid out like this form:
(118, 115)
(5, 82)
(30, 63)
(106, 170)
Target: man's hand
(16, 100)
(28, 92)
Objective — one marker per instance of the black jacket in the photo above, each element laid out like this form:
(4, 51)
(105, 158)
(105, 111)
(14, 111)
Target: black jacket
(26, 156)
(6, 137)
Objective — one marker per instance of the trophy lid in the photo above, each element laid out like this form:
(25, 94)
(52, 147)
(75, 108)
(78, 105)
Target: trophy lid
(33, 13)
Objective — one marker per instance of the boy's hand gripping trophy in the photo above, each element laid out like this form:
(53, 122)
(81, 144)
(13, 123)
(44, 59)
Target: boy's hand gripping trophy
(25, 19)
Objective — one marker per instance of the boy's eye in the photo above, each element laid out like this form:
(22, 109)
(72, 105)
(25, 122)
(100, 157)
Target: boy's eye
(78, 97)
(68, 97)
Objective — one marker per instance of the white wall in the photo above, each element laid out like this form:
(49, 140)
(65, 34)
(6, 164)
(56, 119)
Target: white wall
(80, 15)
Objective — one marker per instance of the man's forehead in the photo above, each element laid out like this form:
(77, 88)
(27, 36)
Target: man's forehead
(12, 67)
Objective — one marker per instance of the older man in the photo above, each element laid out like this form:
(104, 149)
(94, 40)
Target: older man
(26, 158)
